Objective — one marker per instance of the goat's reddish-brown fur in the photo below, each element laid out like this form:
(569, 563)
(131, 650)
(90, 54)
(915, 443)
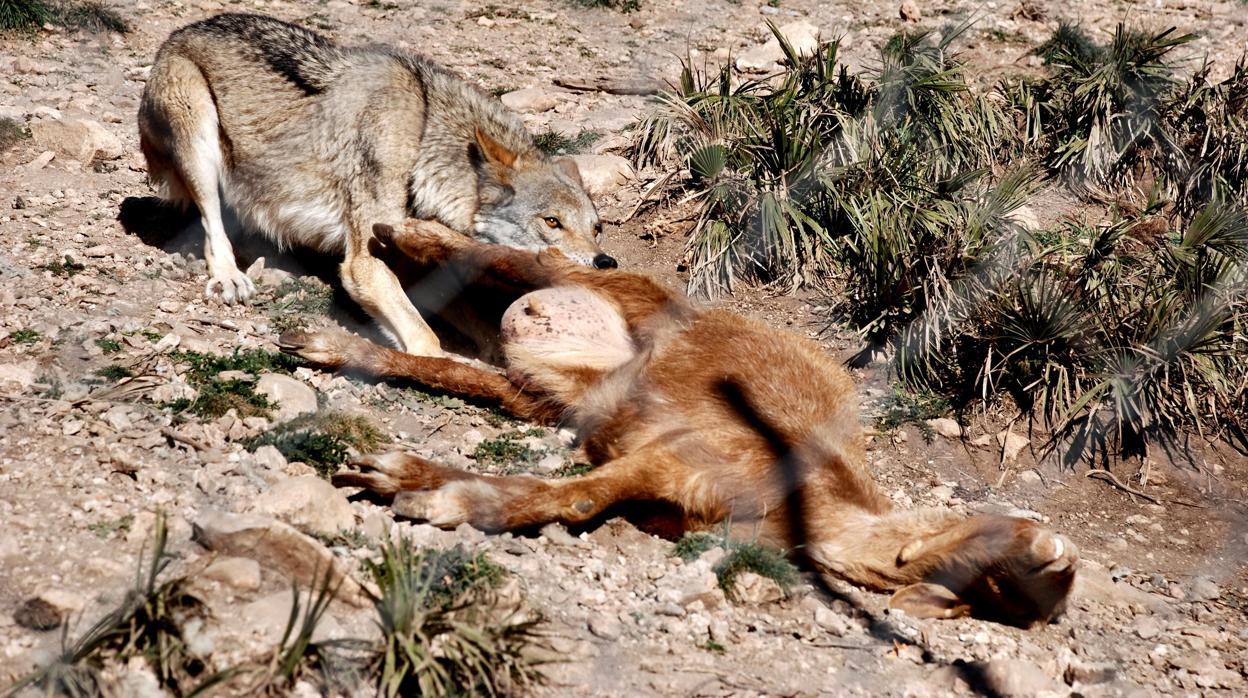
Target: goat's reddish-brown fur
(719, 418)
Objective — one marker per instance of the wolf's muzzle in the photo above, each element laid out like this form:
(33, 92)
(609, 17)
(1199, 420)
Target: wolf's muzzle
(605, 261)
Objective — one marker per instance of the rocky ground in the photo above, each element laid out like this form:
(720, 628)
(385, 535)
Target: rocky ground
(92, 319)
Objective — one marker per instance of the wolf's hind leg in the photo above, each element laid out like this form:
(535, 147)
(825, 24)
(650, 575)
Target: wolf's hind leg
(179, 118)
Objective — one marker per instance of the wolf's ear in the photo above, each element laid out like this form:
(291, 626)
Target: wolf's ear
(926, 600)
(568, 167)
(490, 152)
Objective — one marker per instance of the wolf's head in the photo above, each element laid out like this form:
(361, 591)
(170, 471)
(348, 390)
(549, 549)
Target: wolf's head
(532, 202)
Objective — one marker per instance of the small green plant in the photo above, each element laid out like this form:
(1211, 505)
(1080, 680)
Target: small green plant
(114, 372)
(903, 406)
(624, 6)
(294, 301)
(66, 268)
(442, 633)
(106, 529)
(322, 440)
(24, 336)
(713, 646)
(509, 452)
(573, 470)
(215, 398)
(740, 556)
(108, 346)
(556, 143)
(12, 132)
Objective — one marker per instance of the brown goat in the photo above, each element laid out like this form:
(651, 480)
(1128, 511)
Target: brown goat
(694, 418)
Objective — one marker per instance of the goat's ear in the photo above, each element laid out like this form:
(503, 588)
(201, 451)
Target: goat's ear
(926, 600)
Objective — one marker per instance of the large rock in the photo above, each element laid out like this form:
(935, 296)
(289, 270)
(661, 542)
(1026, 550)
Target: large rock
(764, 58)
(1016, 678)
(279, 547)
(293, 397)
(309, 503)
(530, 100)
(603, 174)
(238, 572)
(78, 139)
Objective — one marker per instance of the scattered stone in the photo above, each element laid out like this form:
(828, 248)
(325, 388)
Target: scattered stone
(238, 572)
(530, 100)
(909, 11)
(605, 626)
(756, 590)
(293, 397)
(833, 622)
(77, 139)
(22, 375)
(946, 427)
(1011, 444)
(1015, 678)
(276, 546)
(1203, 588)
(309, 503)
(37, 614)
(801, 35)
(1030, 477)
(603, 174)
(689, 583)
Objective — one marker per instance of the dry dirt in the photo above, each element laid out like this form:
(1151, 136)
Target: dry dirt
(1160, 606)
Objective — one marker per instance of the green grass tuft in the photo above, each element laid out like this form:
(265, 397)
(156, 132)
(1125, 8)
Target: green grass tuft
(322, 440)
(555, 143)
(740, 556)
(442, 631)
(114, 372)
(508, 452)
(24, 336)
(108, 346)
(12, 132)
(24, 15)
(66, 268)
(291, 304)
(92, 16)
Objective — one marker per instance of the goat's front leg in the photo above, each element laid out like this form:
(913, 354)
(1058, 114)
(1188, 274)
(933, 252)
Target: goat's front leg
(945, 565)
(448, 497)
(337, 349)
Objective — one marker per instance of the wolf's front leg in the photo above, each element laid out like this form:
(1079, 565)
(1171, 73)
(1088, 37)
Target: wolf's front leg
(371, 283)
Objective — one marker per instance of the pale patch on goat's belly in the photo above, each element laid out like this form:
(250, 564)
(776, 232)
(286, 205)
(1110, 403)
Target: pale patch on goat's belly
(565, 327)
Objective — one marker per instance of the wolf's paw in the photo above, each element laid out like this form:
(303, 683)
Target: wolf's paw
(230, 287)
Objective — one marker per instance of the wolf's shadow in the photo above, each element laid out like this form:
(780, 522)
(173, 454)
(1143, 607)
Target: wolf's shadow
(177, 229)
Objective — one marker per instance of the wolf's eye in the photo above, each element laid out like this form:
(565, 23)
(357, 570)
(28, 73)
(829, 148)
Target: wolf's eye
(552, 222)
(597, 230)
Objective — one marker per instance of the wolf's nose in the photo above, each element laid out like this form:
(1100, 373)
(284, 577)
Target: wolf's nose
(605, 261)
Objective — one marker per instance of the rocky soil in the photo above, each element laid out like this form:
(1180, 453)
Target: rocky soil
(88, 456)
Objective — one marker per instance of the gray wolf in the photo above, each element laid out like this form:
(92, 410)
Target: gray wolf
(311, 143)
(694, 419)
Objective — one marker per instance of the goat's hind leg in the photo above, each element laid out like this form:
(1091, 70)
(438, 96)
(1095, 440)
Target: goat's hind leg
(945, 565)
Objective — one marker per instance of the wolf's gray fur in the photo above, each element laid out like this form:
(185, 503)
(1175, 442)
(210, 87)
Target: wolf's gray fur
(312, 143)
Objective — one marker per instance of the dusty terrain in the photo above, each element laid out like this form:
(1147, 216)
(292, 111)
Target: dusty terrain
(85, 462)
